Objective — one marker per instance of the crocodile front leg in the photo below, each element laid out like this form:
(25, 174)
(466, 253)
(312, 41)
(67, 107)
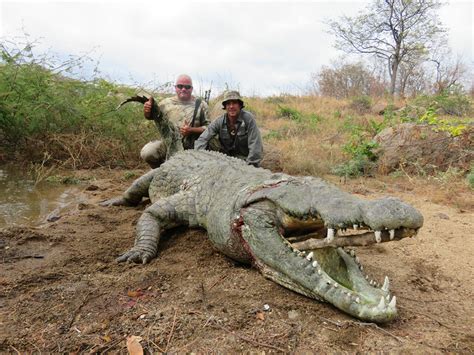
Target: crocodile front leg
(164, 214)
(134, 194)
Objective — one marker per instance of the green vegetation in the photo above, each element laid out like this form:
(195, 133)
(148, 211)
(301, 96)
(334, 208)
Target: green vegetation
(288, 112)
(361, 104)
(49, 119)
(42, 110)
(470, 177)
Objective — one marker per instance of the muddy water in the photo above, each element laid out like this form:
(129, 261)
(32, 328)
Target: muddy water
(23, 203)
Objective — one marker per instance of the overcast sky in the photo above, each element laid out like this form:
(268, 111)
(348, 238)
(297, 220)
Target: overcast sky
(258, 47)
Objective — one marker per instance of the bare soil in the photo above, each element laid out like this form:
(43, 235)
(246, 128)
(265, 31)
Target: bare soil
(62, 291)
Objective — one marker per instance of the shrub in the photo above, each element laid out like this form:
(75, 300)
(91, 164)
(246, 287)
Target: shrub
(358, 166)
(453, 102)
(43, 110)
(288, 112)
(361, 104)
(470, 177)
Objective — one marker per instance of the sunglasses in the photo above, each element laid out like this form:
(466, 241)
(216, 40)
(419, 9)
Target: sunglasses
(181, 86)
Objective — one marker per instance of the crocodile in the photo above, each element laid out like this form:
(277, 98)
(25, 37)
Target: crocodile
(297, 231)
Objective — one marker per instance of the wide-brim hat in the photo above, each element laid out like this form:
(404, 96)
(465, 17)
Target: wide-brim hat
(232, 95)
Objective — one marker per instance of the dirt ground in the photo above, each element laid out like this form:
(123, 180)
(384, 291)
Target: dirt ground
(62, 291)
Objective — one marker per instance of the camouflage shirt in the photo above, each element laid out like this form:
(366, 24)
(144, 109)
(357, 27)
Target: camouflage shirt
(178, 112)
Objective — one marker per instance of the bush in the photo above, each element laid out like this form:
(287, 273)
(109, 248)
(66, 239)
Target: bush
(288, 112)
(42, 108)
(358, 166)
(361, 104)
(454, 103)
(470, 177)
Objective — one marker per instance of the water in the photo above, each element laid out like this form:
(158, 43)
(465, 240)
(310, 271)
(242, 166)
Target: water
(23, 203)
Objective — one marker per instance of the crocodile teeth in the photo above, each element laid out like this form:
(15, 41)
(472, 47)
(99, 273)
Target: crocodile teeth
(355, 227)
(330, 235)
(357, 300)
(352, 252)
(309, 256)
(336, 285)
(378, 236)
(315, 263)
(357, 260)
(392, 233)
(319, 272)
(386, 284)
(393, 302)
(381, 304)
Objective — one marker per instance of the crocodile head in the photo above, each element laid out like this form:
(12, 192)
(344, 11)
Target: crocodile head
(297, 231)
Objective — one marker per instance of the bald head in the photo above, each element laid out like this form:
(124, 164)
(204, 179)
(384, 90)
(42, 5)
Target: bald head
(184, 87)
(184, 78)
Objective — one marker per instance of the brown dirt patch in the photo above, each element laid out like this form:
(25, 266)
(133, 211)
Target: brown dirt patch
(61, 290)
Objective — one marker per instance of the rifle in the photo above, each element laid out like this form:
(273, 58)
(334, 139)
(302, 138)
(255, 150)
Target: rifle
(207, 94)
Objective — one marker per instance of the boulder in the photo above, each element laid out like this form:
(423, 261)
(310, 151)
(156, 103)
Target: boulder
(420, 148)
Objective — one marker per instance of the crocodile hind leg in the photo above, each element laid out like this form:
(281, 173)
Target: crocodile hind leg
(164, 214)
(134, 194)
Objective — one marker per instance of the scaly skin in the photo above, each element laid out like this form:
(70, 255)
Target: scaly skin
(249, 214)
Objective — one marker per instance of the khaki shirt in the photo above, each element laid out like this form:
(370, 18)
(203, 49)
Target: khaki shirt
(178, 112)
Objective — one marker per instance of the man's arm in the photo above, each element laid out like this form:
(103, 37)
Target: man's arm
(211, 131)
(202, 116)
(255, 144)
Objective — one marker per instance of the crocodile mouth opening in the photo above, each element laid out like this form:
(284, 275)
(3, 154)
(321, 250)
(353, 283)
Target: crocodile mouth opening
(311, 233)
(304, 255)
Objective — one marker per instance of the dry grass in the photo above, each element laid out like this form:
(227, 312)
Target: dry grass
(312, 145)
(455, 193)
(308, 148)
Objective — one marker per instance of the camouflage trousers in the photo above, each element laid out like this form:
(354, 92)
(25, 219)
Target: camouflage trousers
(154, 152)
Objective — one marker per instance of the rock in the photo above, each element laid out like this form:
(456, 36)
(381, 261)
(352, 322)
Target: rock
(92, 187)
(293, 314)
(419, 148)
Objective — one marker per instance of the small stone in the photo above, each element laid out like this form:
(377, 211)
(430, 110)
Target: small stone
(81, 206)
(442, 215)
(266, 307)
(293, 314)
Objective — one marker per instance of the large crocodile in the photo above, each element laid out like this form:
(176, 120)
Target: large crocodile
(253, 215)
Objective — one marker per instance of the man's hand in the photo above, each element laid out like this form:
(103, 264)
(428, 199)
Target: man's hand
(148, 107)
(185, 129)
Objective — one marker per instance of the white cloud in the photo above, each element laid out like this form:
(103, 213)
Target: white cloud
(261, 47)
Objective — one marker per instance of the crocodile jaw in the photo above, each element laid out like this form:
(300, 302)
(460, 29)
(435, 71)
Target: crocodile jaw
(328, 274)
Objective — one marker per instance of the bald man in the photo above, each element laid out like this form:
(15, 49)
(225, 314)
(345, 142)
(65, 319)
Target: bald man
(180, 110)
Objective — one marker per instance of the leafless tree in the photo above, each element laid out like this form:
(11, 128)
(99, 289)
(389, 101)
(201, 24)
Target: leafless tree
(391, 30)
(449, 71)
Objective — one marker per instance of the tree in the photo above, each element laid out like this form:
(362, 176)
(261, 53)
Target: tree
(449, 71)
(392, 30)
(346, 80)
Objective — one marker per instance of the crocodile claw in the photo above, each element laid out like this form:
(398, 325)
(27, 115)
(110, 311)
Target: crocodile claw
(115, 201)
(135, 256)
